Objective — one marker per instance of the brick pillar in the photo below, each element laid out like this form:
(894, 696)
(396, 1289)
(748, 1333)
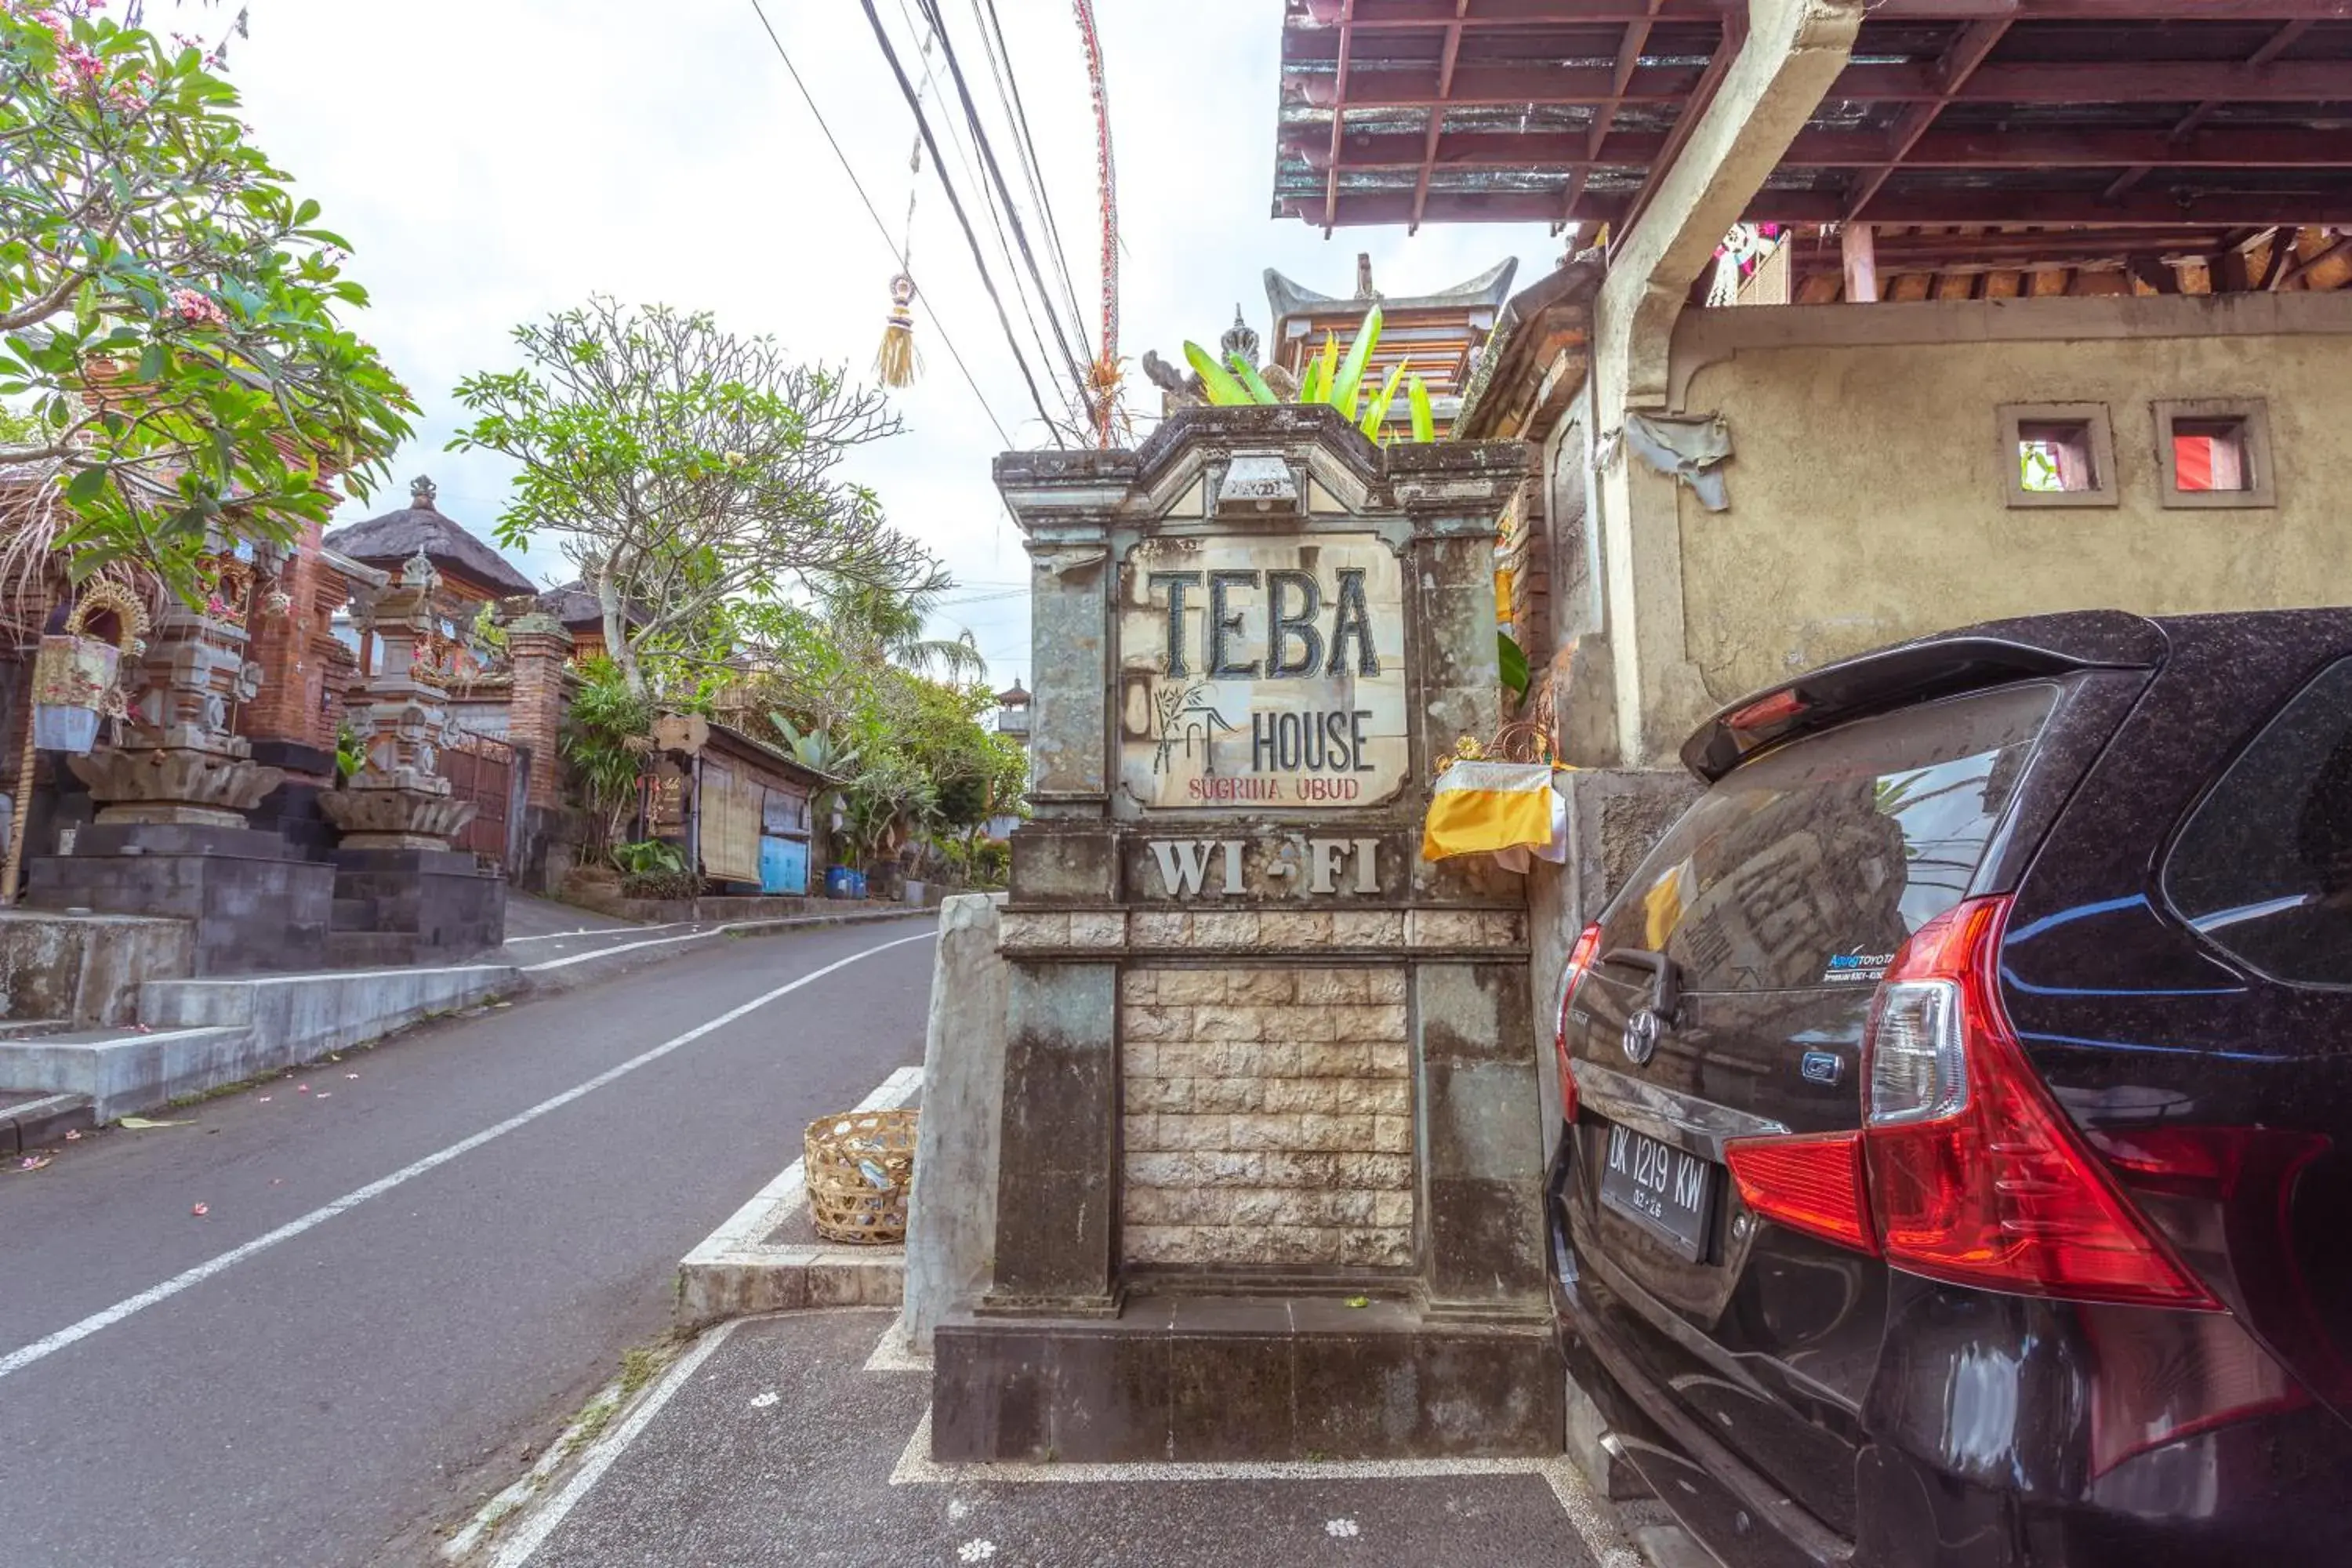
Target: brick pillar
(282, 642)
(539, 650)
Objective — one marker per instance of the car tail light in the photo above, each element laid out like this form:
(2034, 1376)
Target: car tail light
(1976, 1175)
(1580, 960)
(1965, 1168)
(1813, 1184)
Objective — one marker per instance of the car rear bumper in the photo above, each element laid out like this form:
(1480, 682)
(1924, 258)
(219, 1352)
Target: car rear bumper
(1917, 1513)
(1738, 1513)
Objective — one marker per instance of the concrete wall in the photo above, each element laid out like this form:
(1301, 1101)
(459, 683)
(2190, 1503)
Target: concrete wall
(1868, 489)
(951, 1206)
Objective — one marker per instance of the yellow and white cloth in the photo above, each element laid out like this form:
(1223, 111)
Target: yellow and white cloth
(1510, 810)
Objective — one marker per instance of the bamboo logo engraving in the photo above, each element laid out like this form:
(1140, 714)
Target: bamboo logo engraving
(1186, 717)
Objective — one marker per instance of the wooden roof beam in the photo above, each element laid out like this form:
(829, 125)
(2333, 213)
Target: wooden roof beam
(2227, 147)
(1437, 115)
(1604, 116)
(2030, 82)
(1412, 15)
(2277, 45)
(1961, 58)
(1339, 122)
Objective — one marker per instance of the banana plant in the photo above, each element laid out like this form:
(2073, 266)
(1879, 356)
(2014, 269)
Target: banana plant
(1333, 376)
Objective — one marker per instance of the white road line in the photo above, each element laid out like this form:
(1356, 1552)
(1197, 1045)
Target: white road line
(813, 920)
(17, 1361)
(607, 1449)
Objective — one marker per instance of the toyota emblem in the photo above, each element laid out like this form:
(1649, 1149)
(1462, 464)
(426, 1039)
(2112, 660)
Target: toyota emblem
(1641, 1038)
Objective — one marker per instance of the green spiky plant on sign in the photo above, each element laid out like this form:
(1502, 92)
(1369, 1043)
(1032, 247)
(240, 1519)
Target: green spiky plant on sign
(1338, 379)
(1331, 377)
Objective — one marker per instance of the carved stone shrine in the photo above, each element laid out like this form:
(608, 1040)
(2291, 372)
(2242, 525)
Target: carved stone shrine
(1271, 1142)
(173, 788)
(402, 895)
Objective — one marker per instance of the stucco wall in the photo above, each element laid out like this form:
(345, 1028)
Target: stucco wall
(1867, 492)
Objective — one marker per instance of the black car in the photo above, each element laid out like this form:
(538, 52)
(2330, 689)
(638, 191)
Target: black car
(1957, 1166)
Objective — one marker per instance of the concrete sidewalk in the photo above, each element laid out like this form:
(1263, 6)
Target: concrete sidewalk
(803, 1439)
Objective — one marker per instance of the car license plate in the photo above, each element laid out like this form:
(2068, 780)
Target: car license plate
(1659, 1188)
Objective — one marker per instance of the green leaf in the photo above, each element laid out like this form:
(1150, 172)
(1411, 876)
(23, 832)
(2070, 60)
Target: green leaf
(1222, 389)
(1327, 369)
(1376, 413)
(86, 487)
(1424, 421)
(1255, 384)
(1351, 369)
(1513, 662)
(1310, 381)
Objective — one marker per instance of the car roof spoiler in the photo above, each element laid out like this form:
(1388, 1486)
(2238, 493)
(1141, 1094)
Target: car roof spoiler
(1948, 663)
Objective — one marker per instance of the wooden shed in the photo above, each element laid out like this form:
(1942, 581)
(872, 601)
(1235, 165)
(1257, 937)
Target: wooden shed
(755, 821)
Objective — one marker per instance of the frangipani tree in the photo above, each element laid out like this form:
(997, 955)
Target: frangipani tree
(170, 341)
(688, 470)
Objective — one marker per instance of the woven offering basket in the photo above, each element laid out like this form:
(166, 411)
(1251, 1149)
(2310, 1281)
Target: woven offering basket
(858, 1165)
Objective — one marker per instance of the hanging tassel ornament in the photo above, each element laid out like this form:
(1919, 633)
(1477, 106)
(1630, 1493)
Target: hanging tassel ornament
(896, 363)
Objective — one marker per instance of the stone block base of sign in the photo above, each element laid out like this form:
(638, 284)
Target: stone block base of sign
(413, 906)
(257, 904)
(1183, 1376)
(1268, 1116)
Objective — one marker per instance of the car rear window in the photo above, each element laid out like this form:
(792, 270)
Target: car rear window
(1810, 865)
(2263, 866)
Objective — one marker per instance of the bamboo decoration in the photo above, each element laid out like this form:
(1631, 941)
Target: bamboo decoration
(131, 627)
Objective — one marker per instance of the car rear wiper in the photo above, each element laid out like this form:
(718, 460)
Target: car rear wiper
(1665, 978)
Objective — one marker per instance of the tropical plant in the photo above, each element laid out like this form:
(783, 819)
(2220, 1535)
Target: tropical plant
(877, 622)
(649, 856)
(168, 307)
(688, 470)
(1329, 378)
(606, 738)
(350, 751)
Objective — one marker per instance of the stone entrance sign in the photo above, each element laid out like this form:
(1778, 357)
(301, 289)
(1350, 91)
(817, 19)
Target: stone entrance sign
(1266, 672)
(1260, 1060)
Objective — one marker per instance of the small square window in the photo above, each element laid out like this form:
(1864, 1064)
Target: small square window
(2216, 453)
(2057, 455)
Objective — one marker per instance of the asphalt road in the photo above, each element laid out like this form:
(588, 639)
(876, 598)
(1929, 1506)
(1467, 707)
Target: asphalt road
(328, 1399)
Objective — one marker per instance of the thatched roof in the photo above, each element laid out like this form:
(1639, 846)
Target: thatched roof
(388, 540)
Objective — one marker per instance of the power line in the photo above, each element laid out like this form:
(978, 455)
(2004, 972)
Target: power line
(994, 199)
(972, 170)
(879, 226)
(1008, 92)
(906, 89)
(1075, 364)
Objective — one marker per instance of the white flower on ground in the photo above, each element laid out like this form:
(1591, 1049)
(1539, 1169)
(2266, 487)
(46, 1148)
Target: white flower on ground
(761, 1401)
(1342, 1529)
(976, 1551)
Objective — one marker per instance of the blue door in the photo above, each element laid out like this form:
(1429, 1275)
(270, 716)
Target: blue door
(783, 865)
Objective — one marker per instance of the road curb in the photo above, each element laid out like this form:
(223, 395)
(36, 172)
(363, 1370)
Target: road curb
(736, 1272)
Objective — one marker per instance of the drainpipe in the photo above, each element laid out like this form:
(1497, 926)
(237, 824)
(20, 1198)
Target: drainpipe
(1790, 59)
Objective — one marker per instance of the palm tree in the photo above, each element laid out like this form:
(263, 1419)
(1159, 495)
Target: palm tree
(883, 623)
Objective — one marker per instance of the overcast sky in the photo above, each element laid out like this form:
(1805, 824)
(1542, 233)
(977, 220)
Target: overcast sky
(494, 160)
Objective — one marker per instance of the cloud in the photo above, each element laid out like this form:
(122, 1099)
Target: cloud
(492, 162)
